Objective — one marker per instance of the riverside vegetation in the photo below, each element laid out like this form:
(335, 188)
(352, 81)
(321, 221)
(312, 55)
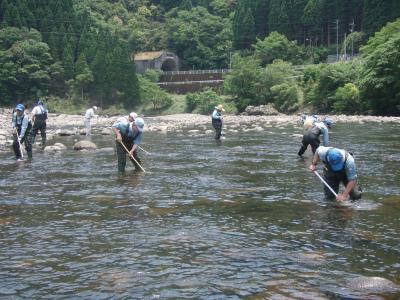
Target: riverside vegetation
(78, 53)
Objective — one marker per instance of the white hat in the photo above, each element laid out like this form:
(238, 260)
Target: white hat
(133, 115)
(94, 107)
(139, 122)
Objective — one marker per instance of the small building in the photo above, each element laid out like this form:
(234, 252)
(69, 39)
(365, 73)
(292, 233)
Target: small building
(156, 60)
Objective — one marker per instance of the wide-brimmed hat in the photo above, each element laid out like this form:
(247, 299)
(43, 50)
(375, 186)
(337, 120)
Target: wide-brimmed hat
(220, 107)
(335, 159)
(139, 122)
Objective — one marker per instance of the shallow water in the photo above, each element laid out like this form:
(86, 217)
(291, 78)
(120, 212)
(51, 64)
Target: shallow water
(241, 219)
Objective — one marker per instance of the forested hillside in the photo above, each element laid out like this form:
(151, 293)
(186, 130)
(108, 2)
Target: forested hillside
(81, 50)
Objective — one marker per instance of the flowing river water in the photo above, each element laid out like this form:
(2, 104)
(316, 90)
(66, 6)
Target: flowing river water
(241, 219)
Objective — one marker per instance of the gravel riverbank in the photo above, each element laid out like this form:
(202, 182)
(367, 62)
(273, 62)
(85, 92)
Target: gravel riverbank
(64, 125)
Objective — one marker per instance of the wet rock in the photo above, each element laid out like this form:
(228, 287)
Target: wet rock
(106, 131)
(65, 132)
(372, 284)
(105, 150)
(55, 147)
(85, 145)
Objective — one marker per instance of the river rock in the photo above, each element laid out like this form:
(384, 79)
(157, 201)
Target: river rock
(372, 284)
(65, 132)
(55, 147)
(85, 145)
(106, 131)
(262, 110)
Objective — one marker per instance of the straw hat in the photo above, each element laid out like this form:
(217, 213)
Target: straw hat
(220, 107)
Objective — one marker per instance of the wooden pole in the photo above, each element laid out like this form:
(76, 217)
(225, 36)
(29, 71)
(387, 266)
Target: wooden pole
(131, 156)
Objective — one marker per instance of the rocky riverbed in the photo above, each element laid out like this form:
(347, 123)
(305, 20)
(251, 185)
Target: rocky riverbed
(66, 125)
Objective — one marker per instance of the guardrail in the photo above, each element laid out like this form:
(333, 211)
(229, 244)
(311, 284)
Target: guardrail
(197, 72)
(189, 82)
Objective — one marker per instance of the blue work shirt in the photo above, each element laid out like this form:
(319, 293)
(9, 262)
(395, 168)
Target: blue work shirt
(325, 133)
(349, 164)
(216, 115)
(20, 121)
(126, 131)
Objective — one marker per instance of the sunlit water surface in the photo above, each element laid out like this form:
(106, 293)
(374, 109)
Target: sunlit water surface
(243, 219)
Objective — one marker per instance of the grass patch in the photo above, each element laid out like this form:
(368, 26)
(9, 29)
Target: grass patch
(178, 107)
(63, 106)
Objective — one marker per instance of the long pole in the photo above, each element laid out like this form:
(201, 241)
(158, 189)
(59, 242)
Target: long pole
(352, 38)
(143, 150)
(19, 143)
(131, 156)
(337, 40)
(326, 184)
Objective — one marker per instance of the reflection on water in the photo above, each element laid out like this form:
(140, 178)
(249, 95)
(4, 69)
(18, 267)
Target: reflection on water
(240, 219)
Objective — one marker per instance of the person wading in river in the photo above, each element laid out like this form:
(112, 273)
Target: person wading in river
(339, 166)
(129, 118)
(89, 114)
(39, 117)
(21, 126)
(130, 134)
(311, 137)
(216, 120)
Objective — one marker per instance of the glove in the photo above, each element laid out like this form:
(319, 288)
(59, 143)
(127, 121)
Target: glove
(20, 138)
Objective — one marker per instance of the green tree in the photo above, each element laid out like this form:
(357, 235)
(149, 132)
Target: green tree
(277, 46)
(278, 17)
(199, 38)
(243, 83)
(347, 99)
(328, 79)
(203, 102)
(287, 97)
(150, 92)
(243, 26)
(83, 75)
(26, 64)
(376, 14)
(380, 83)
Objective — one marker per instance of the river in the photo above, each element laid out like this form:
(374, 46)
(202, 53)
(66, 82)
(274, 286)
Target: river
(241, 219)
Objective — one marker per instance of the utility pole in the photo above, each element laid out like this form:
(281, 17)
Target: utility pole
(311, 50)
(337, 39)
(352, 38)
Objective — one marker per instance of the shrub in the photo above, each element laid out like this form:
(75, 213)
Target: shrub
(347, 99)
(287, 98)
(205, 101)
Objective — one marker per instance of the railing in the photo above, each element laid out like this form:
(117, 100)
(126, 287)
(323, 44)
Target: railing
(189, 82)
(197, 72)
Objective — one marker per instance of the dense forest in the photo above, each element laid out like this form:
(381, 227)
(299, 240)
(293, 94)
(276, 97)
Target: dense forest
(80, 51)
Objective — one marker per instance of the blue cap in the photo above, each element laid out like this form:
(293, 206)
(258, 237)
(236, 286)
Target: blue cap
(335, 159)
(139, 122)
(20, 107)
(328, 122)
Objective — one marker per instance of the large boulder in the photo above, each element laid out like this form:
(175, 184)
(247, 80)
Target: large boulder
(262, 110)
(85, 145)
